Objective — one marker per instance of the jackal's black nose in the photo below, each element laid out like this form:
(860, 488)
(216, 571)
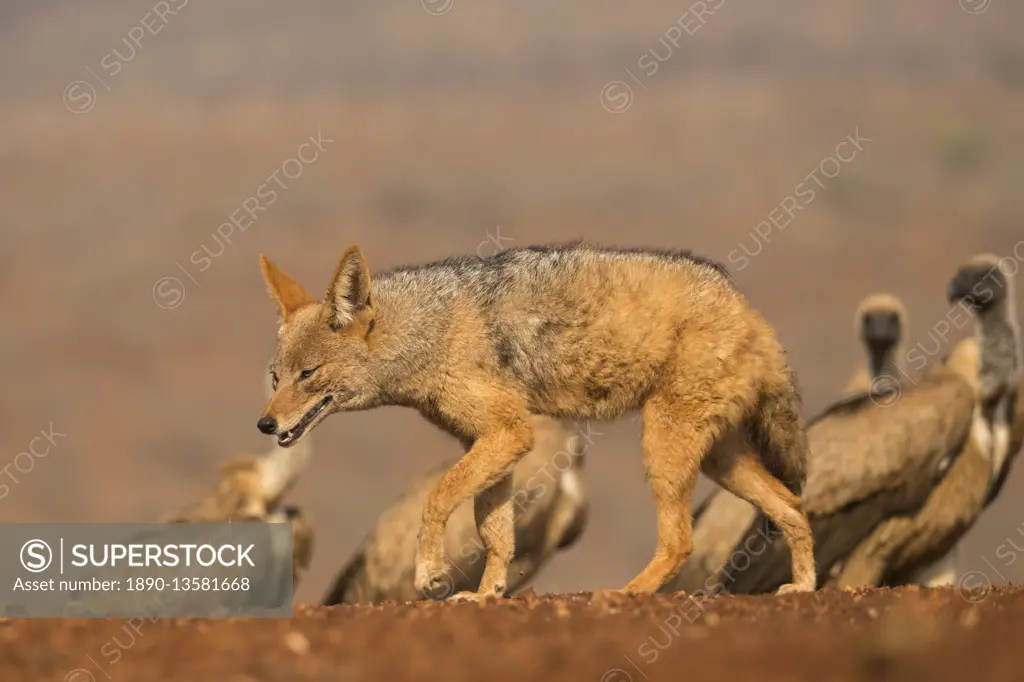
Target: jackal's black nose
(267, 425)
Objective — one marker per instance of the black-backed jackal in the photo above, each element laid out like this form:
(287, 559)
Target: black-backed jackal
(575, 332)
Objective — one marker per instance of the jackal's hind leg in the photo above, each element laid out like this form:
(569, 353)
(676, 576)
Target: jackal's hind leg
(673, 448)
(735, 466)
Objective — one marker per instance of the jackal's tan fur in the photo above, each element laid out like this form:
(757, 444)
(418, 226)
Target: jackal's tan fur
(577, 332)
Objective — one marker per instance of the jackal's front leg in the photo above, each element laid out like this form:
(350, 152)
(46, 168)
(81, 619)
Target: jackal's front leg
(484, 472)
(495, 522)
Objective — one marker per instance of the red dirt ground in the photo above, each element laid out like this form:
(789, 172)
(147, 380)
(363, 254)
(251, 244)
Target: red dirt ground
(903, 634)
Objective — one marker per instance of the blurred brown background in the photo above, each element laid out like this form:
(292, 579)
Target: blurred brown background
(126, 139)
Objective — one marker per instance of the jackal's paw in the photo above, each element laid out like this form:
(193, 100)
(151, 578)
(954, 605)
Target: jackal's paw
(793, 588)
(477, 597)
(433, 583)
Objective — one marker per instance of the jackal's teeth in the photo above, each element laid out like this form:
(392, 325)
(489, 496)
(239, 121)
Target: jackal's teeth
(291, 435)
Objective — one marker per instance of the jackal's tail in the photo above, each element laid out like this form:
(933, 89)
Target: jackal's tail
(778, 433)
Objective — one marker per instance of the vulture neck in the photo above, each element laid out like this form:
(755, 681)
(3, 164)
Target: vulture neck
(999, 339)
(885, 361)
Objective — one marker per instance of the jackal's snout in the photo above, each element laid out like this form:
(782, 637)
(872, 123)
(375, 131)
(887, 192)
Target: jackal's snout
(290, 421)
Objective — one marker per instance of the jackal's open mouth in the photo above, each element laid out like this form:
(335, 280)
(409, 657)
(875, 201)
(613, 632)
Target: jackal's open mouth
(293, 434)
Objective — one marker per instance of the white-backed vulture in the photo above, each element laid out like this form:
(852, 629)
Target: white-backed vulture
(977, 476)
(881, 324)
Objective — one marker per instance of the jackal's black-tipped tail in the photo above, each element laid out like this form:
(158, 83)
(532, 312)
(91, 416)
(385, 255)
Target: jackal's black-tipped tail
(777, 431)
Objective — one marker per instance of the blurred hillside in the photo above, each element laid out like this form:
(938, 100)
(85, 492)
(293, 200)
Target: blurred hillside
(120, 160)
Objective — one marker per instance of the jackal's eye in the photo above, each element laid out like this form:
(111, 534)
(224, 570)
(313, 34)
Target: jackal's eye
(273, 381)
(307, 373)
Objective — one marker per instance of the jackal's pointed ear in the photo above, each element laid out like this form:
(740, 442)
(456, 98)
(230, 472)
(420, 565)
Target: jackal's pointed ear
(289, 294)
(349, 292)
